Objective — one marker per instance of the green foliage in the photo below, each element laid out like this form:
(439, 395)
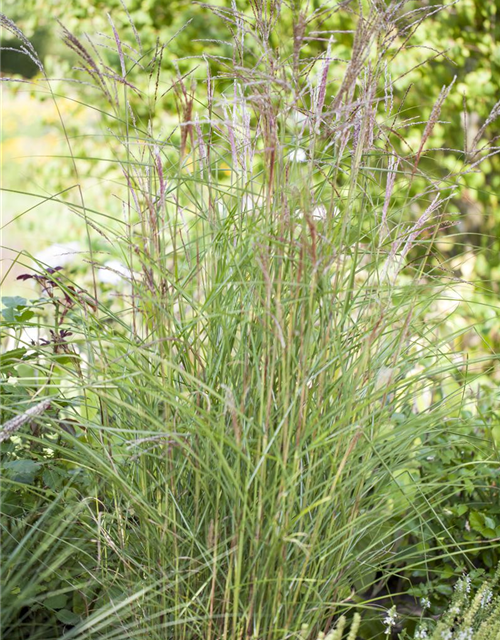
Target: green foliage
(45, 549)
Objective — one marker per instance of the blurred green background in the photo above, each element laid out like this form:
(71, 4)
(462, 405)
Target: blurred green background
(463, 41)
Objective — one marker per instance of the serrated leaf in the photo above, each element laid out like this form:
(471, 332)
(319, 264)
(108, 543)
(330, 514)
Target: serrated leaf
(22, 470)
(53, 478)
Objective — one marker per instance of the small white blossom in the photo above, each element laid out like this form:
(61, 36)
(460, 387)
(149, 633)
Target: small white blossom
(319, 212)
(486, 598)
(446, 634)
(390, 619)
(425, 603)
(58, 255)
(421, 634)
(467, 584)
(466, 634)
(12, 380)
(449, 302)
(463, 585)
(298, 155)
(113, 273)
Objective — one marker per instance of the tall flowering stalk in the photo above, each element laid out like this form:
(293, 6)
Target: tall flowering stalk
(391, 180)
(432, 121)
(395, 260)
(322, 84)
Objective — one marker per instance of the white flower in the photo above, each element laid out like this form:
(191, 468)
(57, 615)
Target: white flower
(113, 273)
(319, 212)
(421, 634)
(425, 603)
(446, 634)
(448, 303)
(463, 585)
(390, 619)
(466, 634)
(298, 155)
(12, 380)
(486, 598)
(450, 299)
(58, 255)
(298, 116)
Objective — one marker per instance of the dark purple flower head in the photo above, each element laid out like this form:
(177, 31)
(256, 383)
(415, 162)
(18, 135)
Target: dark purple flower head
(56, 337)
(38, 278)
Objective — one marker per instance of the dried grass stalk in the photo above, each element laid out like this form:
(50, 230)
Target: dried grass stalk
(11, 426)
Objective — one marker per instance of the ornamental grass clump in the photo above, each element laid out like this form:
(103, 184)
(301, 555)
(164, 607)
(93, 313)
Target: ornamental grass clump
(250, 413)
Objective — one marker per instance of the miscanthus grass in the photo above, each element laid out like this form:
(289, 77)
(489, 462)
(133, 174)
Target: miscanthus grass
(249, 411)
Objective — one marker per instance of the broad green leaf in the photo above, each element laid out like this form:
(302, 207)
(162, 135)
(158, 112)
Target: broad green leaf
(67, 617)
(56, 602)
(13, 301)
(22, 470)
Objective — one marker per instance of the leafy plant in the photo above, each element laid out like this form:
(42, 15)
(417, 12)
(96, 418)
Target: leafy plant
(472, 614)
